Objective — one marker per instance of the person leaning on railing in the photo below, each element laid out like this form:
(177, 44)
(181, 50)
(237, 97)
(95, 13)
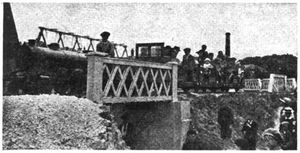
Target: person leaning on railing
(105, 46)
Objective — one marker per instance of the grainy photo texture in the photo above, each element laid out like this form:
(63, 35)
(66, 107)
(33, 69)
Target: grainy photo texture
(149, 76)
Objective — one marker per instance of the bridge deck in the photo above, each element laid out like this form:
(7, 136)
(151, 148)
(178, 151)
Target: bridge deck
(112, 80)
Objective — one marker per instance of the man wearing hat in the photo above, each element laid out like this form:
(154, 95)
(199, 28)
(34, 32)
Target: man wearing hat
(105, 46)
(188, 65)
(202, 54)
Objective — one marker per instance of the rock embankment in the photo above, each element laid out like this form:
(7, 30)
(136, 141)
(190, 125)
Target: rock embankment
(262, 107)
(56, 122)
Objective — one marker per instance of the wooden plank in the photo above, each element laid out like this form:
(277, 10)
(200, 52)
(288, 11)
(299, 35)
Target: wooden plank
(163, 81)
(112, 100)
(141, 89)
(145, 76)
(136, 63)
(116, 51)
(61, 40)
(144, 83)
(154, 81)
(125, 52)
(109, 83)
(133, 84)
(170, 84)
(122, 82)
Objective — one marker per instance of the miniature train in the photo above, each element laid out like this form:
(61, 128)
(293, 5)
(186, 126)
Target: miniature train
(215, 79)
(52, 68)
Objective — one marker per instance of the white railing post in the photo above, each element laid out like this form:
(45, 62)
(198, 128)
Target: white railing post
(291, 84)
(95, 77)
(273, 84)
(174, 81)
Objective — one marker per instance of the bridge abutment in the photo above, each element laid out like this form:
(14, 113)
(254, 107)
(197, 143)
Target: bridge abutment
(155, 125)
(143, 100)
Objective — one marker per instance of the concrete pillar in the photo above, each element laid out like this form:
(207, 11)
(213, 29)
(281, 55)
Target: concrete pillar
(160, 125)
(10, 41)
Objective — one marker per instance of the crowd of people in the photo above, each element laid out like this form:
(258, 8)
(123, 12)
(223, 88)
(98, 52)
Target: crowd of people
(221, 67)
(283, 138)
(203, 68)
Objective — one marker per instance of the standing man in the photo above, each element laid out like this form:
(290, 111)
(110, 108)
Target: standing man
(225, 119)
(202, 54)
(250, 133)
(127, 130)
(188, 64)
(105, 46)
(191, 142)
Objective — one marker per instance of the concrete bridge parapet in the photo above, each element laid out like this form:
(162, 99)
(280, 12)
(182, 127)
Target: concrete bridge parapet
(153, 118)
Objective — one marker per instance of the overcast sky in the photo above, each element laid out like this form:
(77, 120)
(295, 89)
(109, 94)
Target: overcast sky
(256, 29)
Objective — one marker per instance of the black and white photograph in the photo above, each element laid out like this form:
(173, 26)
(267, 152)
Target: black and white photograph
(154, 75)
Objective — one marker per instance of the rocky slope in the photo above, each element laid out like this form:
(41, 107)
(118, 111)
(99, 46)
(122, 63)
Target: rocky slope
(262, 107)
(68, 122)
(56, 122)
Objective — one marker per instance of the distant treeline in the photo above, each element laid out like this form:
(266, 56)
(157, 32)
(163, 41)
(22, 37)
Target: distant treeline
(278, 64)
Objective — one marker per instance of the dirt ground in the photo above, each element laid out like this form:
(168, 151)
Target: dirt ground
(262, 107)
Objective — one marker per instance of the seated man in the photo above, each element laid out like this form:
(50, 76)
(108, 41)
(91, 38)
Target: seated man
(105, 46)
(207, 68)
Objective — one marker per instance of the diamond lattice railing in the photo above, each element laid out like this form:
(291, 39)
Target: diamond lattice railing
(119, 80)
(252, 84)
(135, 81)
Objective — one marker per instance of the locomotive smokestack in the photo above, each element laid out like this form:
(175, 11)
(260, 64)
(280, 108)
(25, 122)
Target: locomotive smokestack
(227, 44)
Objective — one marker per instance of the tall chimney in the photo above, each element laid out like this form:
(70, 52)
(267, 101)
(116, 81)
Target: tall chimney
(227, 44)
